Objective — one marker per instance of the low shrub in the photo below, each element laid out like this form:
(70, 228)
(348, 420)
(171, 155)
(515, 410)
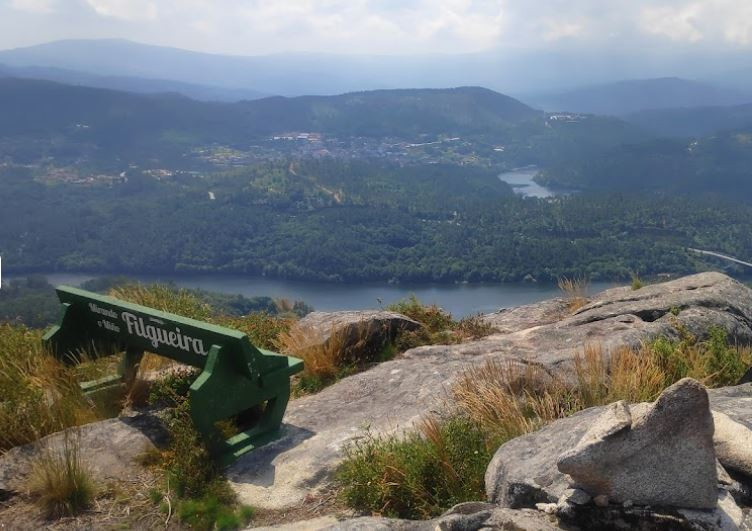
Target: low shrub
(433, 318)
(203, 498)
(60, 481)
(418, 475)
(472, 327)
(439, 327)
(263, 330)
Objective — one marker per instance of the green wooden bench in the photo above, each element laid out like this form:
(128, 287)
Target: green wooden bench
(236, 376)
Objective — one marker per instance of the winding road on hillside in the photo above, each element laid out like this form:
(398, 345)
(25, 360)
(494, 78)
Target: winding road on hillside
(720, 255)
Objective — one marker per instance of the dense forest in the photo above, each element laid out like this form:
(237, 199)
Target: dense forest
(337, 221)
(718, 164)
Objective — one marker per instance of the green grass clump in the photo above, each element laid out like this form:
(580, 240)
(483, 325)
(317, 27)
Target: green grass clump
(203, 498)
(439, 327)
(714, 361)
(60, 481)
(637, 283)
(420, 474)
(213, 513)
(433, 318)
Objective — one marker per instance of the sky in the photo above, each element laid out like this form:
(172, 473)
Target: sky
(389, 27)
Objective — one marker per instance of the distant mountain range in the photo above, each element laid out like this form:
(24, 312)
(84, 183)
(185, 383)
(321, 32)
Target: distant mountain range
(131, 84)
(73, 123)
(625, 97)
(33, 105)
(691, 122)
(512, 72)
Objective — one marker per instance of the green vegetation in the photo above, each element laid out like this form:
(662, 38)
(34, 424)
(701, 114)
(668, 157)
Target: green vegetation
(362, 233)
(202, 498)
(421, 474)
(439, 327)
(714, 165)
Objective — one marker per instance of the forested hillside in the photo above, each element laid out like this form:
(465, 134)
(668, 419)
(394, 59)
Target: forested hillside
(108, 129)
(718, 165)
(343, 222)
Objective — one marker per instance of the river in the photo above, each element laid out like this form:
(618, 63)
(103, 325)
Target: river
(459, 299)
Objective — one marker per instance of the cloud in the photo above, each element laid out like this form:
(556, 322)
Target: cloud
(678, 24)
(34, 6)
(131, 10)
(387, 26)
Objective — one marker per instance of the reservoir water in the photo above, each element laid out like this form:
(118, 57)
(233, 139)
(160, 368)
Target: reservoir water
(521, 180)
(459, 299)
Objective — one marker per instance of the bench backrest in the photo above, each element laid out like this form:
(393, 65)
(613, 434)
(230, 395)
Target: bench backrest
(93, 318)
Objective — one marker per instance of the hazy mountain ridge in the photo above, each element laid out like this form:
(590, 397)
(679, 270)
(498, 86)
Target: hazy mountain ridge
(629, 96)
(293, 74)
(699, 121)
(33, 104)
(131, 84)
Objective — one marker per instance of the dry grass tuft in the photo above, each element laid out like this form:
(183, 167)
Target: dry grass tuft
(38, 394)
(320, 355)
(345, 350)
(508, 399)
(575, 291)
(60, 480)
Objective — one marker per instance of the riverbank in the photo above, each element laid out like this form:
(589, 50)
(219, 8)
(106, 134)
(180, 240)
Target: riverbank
(458, 299)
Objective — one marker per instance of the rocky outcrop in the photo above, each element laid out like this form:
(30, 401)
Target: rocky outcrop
(362, 330)
(524, 470)
(111, 447)
(621, 316)
(462, 517)
(733, 443)
(659, 455)
(392, 395)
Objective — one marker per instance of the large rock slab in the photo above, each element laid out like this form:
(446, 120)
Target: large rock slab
(523, 471)
(388, 398)
(508, 320)
(733, 443)
(664, 456)
(109, 448)
(392, 395)
(622, 316)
